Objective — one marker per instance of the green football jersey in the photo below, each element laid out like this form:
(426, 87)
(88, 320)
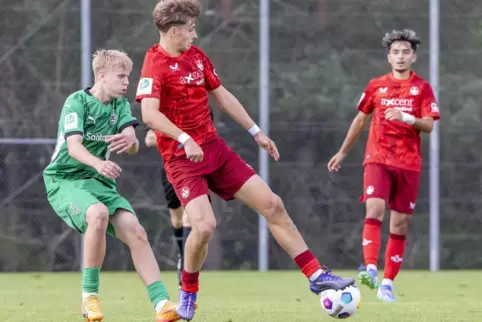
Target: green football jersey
(85, 115)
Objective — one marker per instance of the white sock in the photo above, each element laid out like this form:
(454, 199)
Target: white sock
(86, 295)
(315, 275)
(371, 266)
(387, 282)
(160, 305)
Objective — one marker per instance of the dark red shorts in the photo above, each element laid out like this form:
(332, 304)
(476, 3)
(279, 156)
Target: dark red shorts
(398, 187)
(222, 171)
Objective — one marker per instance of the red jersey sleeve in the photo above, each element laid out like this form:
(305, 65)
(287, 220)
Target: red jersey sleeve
(365, 104)
(150, 83)
(212, 79)
(429, 103)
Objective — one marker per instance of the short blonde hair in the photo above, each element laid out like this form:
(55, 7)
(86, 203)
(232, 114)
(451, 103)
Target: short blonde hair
(169, 13)
(110, 58)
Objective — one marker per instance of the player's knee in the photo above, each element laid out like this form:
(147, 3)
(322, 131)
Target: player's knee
(205, 229)
(375, 208)
(134, 233)
(97, 216)
(139, 233)
(273, 208)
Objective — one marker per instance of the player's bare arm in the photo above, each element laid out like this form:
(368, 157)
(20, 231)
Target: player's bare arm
(78, 151)
(126, 141)
(354, 132)
(424, 124)
(157, 121)
(231, 105)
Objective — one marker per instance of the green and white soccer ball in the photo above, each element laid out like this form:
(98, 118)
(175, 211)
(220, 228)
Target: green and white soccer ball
(341, 304)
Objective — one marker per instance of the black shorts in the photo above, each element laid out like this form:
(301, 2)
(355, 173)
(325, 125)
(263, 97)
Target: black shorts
(172, 200)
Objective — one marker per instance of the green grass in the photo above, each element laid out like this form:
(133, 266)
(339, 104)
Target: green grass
(241, 297)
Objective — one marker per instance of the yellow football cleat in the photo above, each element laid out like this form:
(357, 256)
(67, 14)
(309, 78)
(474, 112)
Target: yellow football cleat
(168, 313)
(91, 309)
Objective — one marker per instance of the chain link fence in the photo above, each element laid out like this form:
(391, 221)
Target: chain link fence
(323, 52)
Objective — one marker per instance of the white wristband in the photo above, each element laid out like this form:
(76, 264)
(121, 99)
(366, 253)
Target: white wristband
(254, 130)
(408, 118)
(183, 138)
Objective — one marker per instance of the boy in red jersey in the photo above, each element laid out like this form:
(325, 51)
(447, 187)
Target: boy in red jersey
(403, 105)
(176, 78)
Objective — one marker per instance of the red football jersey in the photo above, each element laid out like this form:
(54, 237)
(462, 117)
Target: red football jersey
(181, 84)
(392, 142)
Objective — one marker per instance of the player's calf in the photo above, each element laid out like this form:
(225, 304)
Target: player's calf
(399, 223)
(257, 194)
(94, 252)
(130, 232)
(203, 222)
(97, 219)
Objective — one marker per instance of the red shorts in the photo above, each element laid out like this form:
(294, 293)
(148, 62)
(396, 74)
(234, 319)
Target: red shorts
(222, 171)
(398, 187)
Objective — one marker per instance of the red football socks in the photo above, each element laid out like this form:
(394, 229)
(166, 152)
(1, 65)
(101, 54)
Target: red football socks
(394, 256)
(372, 232)
(308, 264)
(190, 282)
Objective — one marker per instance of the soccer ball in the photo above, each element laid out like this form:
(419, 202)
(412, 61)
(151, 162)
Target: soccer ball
(341, 304)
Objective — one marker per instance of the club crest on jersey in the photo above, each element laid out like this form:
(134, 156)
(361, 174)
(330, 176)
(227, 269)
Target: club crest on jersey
(200, 65)
(113, 118)
(414, 91)
(185, 192)
(75, 210)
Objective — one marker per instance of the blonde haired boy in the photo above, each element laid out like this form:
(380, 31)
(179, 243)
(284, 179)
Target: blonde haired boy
(81, 186)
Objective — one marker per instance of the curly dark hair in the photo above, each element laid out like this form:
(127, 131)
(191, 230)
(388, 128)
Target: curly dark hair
(401, 35)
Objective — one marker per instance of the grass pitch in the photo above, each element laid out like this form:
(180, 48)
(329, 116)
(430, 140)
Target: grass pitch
(278, 296)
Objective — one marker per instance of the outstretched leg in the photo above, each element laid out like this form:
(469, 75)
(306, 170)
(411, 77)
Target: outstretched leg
(256, 194)
(129, 230)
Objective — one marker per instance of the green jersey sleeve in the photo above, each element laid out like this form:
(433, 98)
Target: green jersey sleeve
(125, 117)
(72, 117)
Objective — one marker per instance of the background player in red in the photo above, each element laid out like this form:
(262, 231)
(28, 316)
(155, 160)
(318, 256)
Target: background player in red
(176, 78)
(403, 105)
